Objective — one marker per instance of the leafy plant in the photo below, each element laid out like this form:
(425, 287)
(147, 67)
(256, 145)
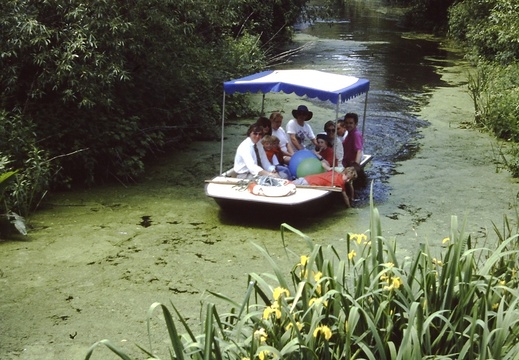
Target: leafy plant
(33, 176)
(488, 28)
(6, 178)
(364, 302)
(114, 82)
(494, 90)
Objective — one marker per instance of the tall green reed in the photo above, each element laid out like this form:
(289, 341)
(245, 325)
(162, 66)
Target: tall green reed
(363, 302)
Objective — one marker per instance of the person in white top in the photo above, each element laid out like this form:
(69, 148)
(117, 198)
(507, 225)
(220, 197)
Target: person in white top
(248, 161)
(276, 120)
(299, 130)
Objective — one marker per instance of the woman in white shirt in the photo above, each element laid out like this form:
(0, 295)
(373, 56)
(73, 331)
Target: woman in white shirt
(276, 120)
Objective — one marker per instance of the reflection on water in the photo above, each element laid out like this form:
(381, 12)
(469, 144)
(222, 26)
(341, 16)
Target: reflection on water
(365, 42)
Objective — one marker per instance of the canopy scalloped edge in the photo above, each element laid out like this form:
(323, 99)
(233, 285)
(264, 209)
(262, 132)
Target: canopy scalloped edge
(312, 83)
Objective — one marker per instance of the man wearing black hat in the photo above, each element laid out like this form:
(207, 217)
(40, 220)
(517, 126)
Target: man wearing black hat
(299, 130)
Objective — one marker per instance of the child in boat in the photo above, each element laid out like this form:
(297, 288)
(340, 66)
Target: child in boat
(344, 179)
(272, 148)
(271, 145)
(324, 150)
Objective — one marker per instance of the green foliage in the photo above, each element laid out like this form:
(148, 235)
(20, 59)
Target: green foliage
(365, 302)
(425, 15)
(490, 28)
(494, 89)
(33, 170)
(6, 178)
(510, 159)
(112, 82)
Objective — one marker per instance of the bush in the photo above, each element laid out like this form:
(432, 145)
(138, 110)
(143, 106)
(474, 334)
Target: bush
(494, 90)
(488, 28)
(22, 156)
(114, 82)
(6, 178)
(365, 302)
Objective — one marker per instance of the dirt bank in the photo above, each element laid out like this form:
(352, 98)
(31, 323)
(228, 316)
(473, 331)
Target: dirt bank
(96, 260)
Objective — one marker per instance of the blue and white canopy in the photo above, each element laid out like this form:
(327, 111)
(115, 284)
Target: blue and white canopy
(312, 83)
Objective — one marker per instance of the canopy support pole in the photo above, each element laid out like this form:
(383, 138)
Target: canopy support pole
(262, 105)
(223, 125)
(339, 100)
(364, 116)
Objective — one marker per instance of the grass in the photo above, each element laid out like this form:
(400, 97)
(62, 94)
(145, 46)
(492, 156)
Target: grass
(364, 303)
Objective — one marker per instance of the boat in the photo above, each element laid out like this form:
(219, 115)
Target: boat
(233, 194)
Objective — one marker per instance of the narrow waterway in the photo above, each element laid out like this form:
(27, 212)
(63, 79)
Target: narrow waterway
(402, 68)
(95, 260)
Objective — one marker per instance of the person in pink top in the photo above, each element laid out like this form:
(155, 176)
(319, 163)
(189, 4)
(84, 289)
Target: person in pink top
(353, 144)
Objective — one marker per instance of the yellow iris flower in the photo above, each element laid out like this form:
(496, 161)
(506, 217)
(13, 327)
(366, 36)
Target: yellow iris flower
(272, 309)
(280, 291)
(323, 329)
(263, 354)
(261, 335)
(359, 238)
(396, 282)
(290, 325)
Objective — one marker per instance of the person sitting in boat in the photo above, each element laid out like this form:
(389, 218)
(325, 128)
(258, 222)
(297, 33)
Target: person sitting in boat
(270, 165)
(299, 130)
(324, 151)
(353, 147)
(276, 119)
(343, 178)
(272, 148)
(341, 131)
(265, 124)
(353, 143)
(332, 133)
(250, 159)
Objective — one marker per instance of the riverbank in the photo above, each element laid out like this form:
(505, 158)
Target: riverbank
(94, 261)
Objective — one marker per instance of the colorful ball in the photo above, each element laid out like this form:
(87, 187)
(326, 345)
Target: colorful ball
(296, 159)
(309, 166)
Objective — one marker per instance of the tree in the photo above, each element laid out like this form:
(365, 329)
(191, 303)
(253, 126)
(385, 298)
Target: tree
(111, 81)
(489, 28)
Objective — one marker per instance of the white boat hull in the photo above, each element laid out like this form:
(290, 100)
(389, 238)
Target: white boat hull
(232, 194)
